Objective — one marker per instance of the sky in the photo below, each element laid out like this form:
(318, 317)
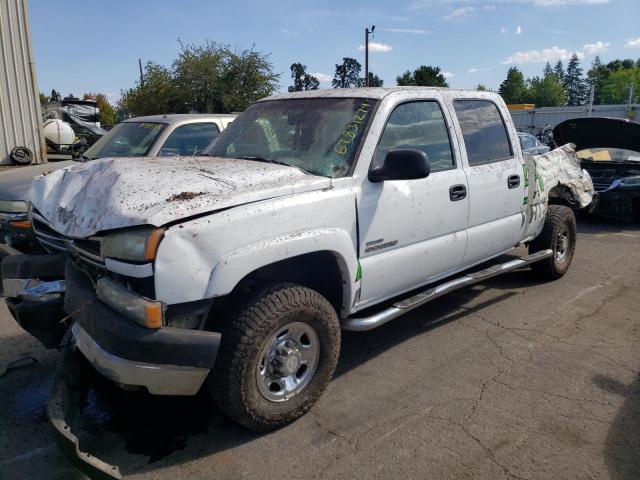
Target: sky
(91, 45)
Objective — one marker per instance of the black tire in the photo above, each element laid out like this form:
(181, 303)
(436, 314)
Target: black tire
(235, 377)
(560, 222)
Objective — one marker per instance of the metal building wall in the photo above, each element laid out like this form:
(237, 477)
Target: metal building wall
(531, 121)
(20, 120)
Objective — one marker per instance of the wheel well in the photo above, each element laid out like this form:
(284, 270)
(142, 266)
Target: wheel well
(561, 195)
(319, 271)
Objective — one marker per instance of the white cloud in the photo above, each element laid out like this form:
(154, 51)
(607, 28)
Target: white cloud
(552, 54)
(416, 31)
(518, 30)
(422, 5)
(632, 43)
(376, 47)
(488, 7)
(598, 47)
(448, 74)
(322, 77)
(503, 30)
(480, 69)
(460, 12)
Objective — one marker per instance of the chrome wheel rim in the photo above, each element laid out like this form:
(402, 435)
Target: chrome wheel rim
(288, 361)
(562, 244)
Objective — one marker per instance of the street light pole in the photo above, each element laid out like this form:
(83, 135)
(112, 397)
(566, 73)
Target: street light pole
(367, 32)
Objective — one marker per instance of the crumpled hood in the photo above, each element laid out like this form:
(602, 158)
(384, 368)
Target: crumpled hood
(598, 132)
(123, 192)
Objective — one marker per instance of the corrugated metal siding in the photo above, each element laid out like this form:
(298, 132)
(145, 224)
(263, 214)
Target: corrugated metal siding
(20, 120)
(532, 120)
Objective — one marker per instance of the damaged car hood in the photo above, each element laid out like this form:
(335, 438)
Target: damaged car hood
(598, 132)
(124, 192)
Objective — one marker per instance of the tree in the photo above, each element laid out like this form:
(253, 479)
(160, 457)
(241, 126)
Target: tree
(301, 79)
(347, 73)
(547, 70)
(481, 87)
(574, 83)
(374, 80)
(558, 70)
(43, 98)
(615, 88)
(423, 76)
(207, 78)
(107, 113)
(596, 78)
(547, 91)
(55, 96)
(513, 88)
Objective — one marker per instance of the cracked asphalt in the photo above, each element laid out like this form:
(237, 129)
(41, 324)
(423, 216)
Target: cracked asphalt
(512, 379)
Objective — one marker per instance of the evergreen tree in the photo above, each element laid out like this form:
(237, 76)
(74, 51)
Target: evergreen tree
(596, 78)
(513, 88)
(481, 87)
(558, 70)
(547, 70)
(574, 83)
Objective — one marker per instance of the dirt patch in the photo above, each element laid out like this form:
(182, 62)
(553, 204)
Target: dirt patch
(184, 196)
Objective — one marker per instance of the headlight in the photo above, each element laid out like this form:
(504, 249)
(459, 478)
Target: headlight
(14, 206)
(631, 181)
(137, 245)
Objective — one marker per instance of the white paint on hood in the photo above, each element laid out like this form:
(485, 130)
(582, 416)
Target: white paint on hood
(124, 192)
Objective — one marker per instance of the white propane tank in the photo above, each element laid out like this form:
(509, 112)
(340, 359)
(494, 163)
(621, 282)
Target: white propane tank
(58, 132)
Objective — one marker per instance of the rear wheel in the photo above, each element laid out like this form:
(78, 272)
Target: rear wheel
(277, 356)
(558, 235)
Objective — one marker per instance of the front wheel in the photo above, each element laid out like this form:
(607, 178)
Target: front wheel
(276, 357)
(558, 235)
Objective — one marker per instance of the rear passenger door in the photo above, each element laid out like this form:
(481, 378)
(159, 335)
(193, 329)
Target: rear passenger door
(412, 231)
(495, 174)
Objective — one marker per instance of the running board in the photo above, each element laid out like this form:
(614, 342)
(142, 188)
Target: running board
(368, 323)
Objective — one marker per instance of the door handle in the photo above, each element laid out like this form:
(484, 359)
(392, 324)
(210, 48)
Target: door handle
(457, 192)
(513, 181)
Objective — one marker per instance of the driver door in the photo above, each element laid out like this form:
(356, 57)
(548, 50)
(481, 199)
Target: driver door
(413, 231)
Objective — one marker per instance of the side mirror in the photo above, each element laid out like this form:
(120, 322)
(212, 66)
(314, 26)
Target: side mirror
(402, 165)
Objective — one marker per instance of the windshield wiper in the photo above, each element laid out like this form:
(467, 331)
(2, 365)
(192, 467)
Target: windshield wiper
(271, 160)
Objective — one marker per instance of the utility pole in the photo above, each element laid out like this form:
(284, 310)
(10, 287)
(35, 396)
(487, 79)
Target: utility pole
(141, 77)
(630, 100)
(367, 32)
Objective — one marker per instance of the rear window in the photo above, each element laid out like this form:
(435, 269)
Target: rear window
(484, 132)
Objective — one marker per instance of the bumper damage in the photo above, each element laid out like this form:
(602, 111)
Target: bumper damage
(71, 385)
(34, 289)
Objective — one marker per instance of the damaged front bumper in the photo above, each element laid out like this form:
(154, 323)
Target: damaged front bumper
(34, 289)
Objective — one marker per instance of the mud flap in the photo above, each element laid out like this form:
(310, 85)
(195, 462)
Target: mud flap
(68, 397)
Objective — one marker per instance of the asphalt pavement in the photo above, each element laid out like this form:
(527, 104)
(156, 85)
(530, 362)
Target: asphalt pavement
(511, 379)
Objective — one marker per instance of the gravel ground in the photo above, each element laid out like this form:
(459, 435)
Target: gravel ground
(511, 379)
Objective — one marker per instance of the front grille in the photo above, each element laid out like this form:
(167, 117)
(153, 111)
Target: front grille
(86, 249)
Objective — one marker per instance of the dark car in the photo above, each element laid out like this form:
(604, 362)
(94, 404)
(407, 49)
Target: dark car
(609, 149)
(157, 135)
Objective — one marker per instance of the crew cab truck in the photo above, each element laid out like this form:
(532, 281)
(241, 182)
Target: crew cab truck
(313, 212)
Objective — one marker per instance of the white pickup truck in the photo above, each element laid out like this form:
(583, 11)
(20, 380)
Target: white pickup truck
(313, 212)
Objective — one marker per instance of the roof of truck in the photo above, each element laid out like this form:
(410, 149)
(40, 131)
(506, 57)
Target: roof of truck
(365, 92)
(174, 117)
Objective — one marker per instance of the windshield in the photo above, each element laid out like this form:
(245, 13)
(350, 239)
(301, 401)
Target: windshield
(127, 139)
(317, 135)
(608, 155)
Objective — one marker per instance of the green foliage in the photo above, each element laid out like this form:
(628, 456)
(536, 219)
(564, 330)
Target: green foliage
(547, 91)
(374, 80)
(107, 113)
(596, 78)
(423, 76)
(301, 79)
(481, 87)
(207, 78)
(513, 88)
(347, 74)
(558, 70)
(574, 83)
(43, 98)
(616, 87)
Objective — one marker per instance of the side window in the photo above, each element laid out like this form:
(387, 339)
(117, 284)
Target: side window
(189, 139)
(420, 126)
(485, 135)
(526, 142)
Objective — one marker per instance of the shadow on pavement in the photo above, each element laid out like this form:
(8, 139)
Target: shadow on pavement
(622, 448)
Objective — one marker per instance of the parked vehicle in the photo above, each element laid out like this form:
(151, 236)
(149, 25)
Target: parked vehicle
(313, 212)
(158, 135)
(609, 149)
(545, 136)
(531, 144)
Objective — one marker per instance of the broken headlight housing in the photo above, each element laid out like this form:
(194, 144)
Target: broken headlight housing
(14, 210)
(136, 245)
